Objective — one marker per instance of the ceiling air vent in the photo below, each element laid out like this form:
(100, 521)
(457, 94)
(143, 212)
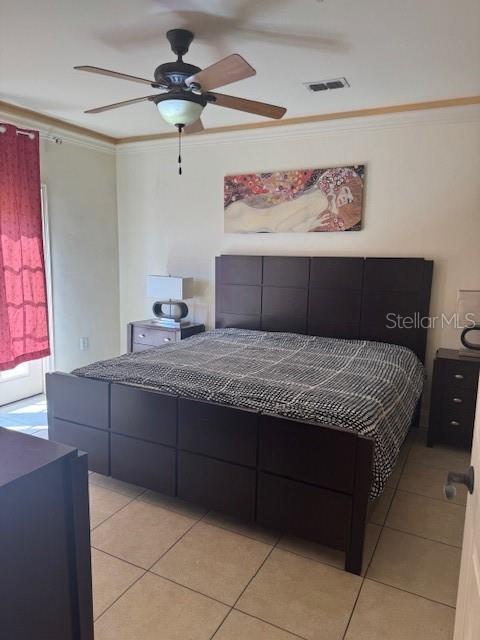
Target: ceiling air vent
(326, 85)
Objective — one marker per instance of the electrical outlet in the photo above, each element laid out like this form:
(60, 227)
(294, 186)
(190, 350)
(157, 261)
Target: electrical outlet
(84, 344)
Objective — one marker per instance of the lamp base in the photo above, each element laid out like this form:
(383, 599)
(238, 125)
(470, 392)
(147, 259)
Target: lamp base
(472, 349)
(177, 310)
(170, 323)
(473, 354)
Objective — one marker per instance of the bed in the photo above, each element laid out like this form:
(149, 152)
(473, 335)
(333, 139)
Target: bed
(291, 413)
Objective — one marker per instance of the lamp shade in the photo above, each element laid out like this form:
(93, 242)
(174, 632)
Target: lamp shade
(468, 307)
(179, 111)
(169, 287)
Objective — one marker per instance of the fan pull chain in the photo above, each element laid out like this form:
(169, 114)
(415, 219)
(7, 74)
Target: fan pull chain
(180, 128)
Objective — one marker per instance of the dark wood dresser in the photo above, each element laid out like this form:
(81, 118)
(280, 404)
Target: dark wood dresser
(45, 585)
(145, 334)
(453, 400)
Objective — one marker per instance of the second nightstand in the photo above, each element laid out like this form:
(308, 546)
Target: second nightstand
(145, 334)
(453, 400)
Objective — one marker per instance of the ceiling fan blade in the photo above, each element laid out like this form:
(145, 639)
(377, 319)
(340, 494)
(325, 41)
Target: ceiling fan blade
(250, 106)
(195, 127)
(230, 69)
(116, 105)
(116, 74)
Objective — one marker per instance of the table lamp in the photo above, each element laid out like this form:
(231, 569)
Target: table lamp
(169, 309)
(468, 310)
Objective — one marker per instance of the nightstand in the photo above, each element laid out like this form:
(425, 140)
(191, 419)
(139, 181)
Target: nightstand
(145, 334)
(453, 400)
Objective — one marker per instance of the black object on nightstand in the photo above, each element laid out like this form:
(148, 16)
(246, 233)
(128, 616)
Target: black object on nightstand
(146, 334)
(454, 395)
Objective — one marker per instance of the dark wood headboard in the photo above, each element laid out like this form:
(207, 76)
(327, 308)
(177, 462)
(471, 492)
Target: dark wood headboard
(334, 297)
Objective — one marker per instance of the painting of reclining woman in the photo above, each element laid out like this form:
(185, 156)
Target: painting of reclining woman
(301, 200)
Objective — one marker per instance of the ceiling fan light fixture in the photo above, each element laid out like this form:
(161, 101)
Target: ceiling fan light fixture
(180, 111)
(187, 88)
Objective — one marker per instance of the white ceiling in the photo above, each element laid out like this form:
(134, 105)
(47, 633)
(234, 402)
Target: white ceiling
(391, 52)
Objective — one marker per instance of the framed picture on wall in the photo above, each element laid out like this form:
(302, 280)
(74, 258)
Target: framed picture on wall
(299, 200)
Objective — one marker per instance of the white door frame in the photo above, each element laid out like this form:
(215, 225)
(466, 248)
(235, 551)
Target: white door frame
(49, 362)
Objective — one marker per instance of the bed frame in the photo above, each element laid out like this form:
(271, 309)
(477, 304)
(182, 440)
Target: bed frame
(310, 480)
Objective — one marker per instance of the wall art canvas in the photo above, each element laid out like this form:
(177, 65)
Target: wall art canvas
(301, 200)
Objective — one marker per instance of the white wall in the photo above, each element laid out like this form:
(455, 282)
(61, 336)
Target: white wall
(81, 196)
(422, 199)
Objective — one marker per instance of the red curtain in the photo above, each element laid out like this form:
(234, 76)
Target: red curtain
(23, 298)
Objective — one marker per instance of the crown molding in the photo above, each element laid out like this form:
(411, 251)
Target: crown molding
(390, 121)
(50, 127)
(313, 119)
(438, 111)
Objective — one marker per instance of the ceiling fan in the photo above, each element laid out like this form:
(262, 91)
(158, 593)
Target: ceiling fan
(187, 89)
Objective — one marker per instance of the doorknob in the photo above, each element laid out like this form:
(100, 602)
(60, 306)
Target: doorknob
(454, 477)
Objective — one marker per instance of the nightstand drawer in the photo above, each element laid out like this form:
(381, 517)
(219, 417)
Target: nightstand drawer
(460, 375)
(147, 334)
(154, 337)
(457, 431)
(136, 347)
(459, 404)
(453, 399)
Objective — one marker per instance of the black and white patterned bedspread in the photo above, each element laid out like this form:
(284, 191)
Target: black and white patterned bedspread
(368, 387)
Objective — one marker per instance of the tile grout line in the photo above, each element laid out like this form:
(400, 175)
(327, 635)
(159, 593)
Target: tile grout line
(232, 607)
(396, 490)
(115, 512)
(445, 469)
(229, 611)
(102, 486)
(111, 555)
(179, 584)
(430, 466)
(442, 500)
(385, 526)
(311, 558)
(382, 527)
(146, 570)
(158, 575)
(416, 535)
(411, 593)
(364, 576)
(174, 544)
(354, 606)
(137, 497)
(121, 595)
(275, 545)
(184, 586)
(272, 624)
(149, 571)
(140, 497)
(250, 537)
(245, 535)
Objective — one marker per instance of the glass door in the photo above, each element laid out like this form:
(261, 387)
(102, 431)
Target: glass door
(24, 380)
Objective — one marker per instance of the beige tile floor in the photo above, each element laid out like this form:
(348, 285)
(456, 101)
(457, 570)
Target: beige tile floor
(165, 570)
